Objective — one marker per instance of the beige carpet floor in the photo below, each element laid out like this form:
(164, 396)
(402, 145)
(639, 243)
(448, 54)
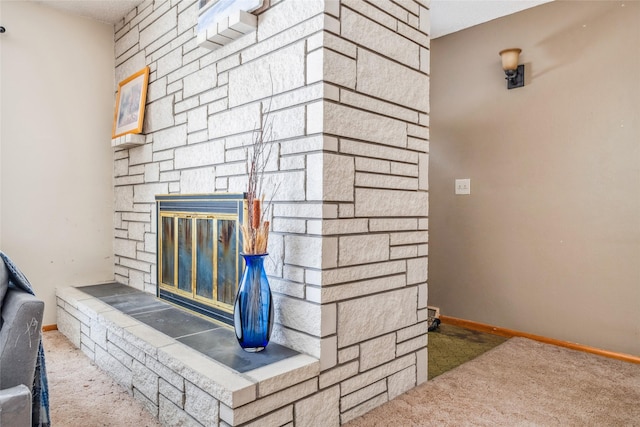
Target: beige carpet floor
(80, 394)
(519, 383)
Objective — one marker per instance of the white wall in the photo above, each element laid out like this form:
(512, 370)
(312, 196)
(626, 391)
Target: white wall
(56, 197)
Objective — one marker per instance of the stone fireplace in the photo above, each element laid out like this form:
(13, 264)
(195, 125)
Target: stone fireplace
(199, 245)
(346, 85)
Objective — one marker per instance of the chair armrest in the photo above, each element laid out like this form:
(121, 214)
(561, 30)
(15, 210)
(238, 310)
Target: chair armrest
(19, 338)
(15, 406)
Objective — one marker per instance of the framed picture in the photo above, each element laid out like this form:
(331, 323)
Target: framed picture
(132, 96)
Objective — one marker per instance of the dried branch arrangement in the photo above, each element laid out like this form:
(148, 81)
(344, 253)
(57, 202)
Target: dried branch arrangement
(255, 231)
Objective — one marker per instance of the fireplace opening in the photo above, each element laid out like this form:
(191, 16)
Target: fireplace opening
(199, 245)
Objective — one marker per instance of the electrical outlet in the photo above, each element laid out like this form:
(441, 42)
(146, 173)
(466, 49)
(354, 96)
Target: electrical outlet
(463, 186)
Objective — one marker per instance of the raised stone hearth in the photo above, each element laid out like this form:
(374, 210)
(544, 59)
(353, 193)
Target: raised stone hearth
(186, 370)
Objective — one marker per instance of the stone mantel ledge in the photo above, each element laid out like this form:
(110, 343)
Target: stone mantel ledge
(232, 389)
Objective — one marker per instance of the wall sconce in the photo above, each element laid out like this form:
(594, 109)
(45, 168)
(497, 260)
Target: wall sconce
(513, 71)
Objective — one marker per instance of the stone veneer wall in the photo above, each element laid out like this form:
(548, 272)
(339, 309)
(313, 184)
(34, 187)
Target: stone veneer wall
(350, 132)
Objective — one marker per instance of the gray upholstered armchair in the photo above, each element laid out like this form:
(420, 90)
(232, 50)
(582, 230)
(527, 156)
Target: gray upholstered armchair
(20, 326)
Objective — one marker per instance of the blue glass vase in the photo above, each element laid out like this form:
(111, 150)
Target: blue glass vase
(253, 308)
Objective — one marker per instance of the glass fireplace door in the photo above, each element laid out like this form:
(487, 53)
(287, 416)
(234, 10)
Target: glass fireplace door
(199, 254)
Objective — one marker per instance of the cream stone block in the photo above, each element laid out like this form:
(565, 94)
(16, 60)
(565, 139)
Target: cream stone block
(219, 381)
(281, 417)
(423, 165)
(377, 151)
(398, 252)
(277, 72)
(171, 415)
(401, 382)
(377, 351)
(286, 14)
(298, 341)
(299, 314)
(329, 351)
(298, 96)
(378, 38)
(234, 121)
(269, 403)
(145, 380)
(366, 102)
(410, 237)
(393, 224)
(286, 186)
(205, 154)
(376, 374)
(146, 193)
(423, 295)
(370, 316)
(384, 79)
(68, 325)
(159, 115)
(353, 123)
(285, 373)
(363, 249)
(199, 404)
(200, 81)
(302, 145)
(122, 247)
(287, 123)
(338, 374)
(363, 395)
(418, 131)
(170, 138)
(298, 210)
(307, 251)
(168, 62)
(348, 354)
(339, 44)
(422, 362)
(152, 172)
(197, 180)
(120, 373)
(332, 67)
(123, 198)
(362, 409)
(321, 409)
(425, 62)
(170, 392)
(315, 68)
(412, 345)
(388, 203)
(157, 23)
(417, 270)
(362, 272)
(344, 226)
(315, 118)
(330, 177)
(386, 181)
(412, 34)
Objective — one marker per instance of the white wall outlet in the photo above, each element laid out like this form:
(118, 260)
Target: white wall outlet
(463, 186)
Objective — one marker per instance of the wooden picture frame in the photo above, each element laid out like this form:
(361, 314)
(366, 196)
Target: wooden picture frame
(132, 95)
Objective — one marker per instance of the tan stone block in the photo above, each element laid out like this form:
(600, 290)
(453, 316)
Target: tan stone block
(370, 316)
(321, 409)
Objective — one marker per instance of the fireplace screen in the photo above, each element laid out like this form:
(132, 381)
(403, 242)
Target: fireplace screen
(199, 246)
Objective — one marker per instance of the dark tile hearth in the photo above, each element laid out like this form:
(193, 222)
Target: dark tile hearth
(209, 338)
